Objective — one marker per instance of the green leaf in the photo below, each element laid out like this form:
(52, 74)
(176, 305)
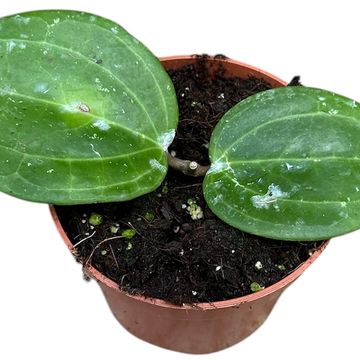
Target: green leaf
(128, 233)
(286, 165)
(149, 216)
(86, 111)
(96, 219)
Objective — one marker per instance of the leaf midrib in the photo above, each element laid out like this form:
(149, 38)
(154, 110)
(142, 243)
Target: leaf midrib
(90, 115)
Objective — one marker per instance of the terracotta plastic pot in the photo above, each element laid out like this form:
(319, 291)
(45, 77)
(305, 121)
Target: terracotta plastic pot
(206, 327)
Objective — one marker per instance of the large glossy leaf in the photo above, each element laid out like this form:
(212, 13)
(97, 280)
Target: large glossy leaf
(86, 111)
(286, 165)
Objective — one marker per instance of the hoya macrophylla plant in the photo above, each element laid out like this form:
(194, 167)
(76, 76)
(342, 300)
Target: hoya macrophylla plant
(87, 115)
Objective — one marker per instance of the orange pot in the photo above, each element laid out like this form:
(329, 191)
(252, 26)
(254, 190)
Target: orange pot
(206, 327)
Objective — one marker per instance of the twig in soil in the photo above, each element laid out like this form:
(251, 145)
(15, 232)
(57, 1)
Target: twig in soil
(222, 270)
(82, 240)
(187, 167)
(187, 186)
(99, 244)
(133, 227)
(122, 280)
(113, 254)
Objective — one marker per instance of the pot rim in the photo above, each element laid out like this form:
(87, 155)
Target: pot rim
(94, 273)
(226, 60)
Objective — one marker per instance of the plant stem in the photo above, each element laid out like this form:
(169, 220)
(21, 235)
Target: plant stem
(187, 167)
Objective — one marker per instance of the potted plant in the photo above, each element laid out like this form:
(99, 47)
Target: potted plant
(107, 141)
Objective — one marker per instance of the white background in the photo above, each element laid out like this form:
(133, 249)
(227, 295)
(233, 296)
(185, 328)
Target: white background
(48, 312)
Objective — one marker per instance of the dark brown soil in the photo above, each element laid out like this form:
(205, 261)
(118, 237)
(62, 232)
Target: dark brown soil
(202, 102)
(171, 256)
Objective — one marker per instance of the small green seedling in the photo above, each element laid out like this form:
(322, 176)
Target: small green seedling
(128, 233)
(95, 219)
(149, 216)
(255, 287)
(88, 113)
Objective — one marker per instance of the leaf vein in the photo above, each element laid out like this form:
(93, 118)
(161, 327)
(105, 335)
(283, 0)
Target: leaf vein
(91, 63)
(281, 119)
